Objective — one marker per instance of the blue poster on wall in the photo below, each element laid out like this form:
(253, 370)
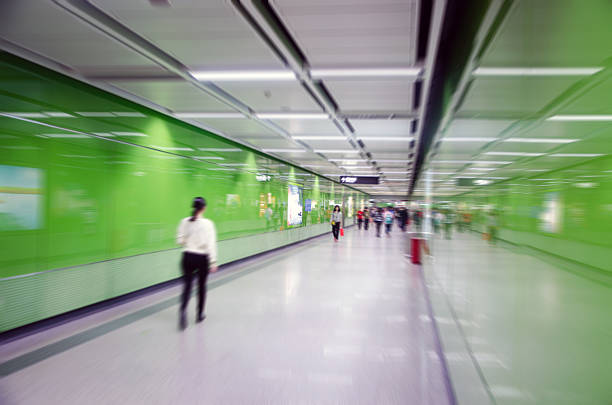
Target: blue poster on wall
(307, 205)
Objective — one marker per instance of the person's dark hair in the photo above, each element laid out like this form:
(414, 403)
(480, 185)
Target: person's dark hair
(337, 206)
(198, 204)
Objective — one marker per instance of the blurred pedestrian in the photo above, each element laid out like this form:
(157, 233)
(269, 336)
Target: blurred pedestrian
(378, 220)
(198, 237)
(388, 221)
(359, 219)
(336, 221)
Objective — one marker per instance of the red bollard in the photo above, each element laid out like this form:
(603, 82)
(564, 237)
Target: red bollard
(415, 250)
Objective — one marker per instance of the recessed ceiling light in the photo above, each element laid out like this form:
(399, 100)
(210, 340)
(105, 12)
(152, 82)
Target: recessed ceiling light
(242, 75)
(513, 153)
(540, 140)
(365, 72)
(386, 138)
(467, 139)
(319, 138)
(171, 148)
(580, 118)
(336, 151)
(576, 154)
(542, 71)
(291, 116)
(491, 162)
(284, 150)
(209, 115)
(220, 149)
(62, 136)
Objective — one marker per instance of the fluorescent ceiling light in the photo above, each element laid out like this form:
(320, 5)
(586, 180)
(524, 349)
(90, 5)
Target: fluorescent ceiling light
(54, 114)
(284, 150)
(319, 138)
(104, 114)
(209, 115)
(336, 151)
(540, 140)
(313, 166)
(62, 136)
(392, 160)
(220, 149)
(468, 139)
(396, 179)
(513, 153)
(542, 71)
(386, 172)
(129, 134)
(128, 114)
(347, 161)
(209, 157)
(233, 164)
(482, 168)
(171, 148)
(580, 118)
(365, 72)
(491, 162)
(356, 167)
(291, 116)
(242, 75)
(27, 114)
(441, 173)
(576, 154)
(386, 138)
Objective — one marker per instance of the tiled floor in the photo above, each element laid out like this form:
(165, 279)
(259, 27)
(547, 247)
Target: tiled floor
(321, 323)
(517, 329)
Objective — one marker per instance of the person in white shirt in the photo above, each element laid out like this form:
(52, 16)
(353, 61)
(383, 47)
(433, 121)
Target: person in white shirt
(336, 222)
(198, 237)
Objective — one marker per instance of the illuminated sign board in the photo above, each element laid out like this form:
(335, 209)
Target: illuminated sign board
(359, 179)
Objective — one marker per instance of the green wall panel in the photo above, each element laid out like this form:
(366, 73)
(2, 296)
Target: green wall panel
(566, 212)
(92, 188)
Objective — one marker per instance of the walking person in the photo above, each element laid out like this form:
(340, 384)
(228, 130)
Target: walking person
(336, 221)
(378, 220)
(366, 219)
(359, 219)
(388, 221)
(198, 237)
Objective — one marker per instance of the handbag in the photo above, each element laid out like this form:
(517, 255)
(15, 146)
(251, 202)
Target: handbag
(341, 231)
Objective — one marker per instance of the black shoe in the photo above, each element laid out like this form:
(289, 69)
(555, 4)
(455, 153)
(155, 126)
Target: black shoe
(200, 318)
(182, 321)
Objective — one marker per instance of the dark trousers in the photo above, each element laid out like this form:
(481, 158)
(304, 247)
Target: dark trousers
(336, 230)
(194, 263)
(378, 225)
(366, 224)
(388, 228)
(359, 222)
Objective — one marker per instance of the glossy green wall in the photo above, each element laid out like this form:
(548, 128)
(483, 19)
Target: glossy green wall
(88, 178)
(565, 212)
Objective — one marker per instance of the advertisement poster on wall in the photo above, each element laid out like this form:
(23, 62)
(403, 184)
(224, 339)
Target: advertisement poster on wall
(550, 215)
(294, 205)
(20, 198)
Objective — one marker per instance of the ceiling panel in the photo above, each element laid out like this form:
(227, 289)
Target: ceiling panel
(476, 127)
(381, 127)
(553, 33)
(239, 127)
(511, 97)
(595, 101)
(308, 126)
(198, 33)
(356, 32)
(372, 95)
(175, 95)
(47, 29)
(272, 96)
